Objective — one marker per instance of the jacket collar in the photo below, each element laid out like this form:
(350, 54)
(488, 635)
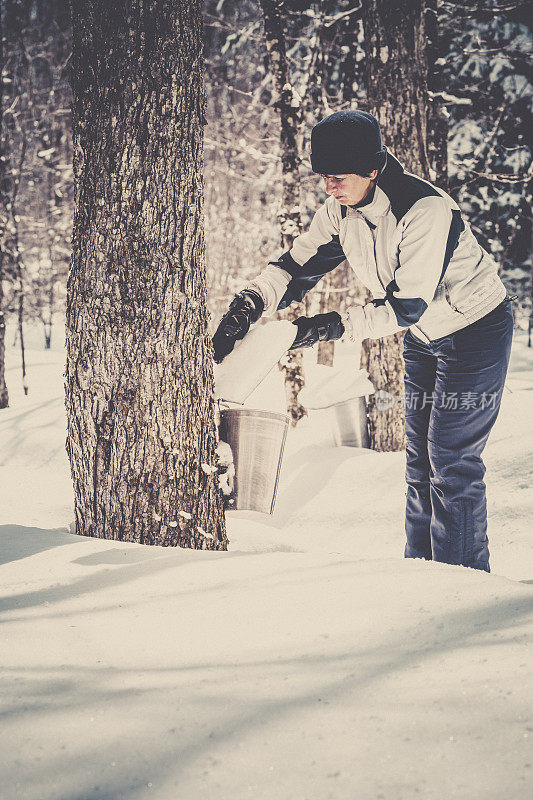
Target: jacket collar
(378, 207)
(380, 203)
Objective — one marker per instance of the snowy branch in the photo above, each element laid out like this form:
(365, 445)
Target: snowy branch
(450, 98)
(496, 177)
(332, 20)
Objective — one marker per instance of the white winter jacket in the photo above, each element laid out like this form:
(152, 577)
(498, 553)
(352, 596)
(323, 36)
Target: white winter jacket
(409, 246)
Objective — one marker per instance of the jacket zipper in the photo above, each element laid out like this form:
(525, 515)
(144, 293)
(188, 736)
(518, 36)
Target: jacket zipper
(372, 228)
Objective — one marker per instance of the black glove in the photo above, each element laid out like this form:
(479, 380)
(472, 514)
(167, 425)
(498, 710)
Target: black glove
(320, 328)
(245, 308)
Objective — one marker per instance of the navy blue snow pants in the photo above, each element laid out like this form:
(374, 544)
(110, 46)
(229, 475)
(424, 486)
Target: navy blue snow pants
(453, 389)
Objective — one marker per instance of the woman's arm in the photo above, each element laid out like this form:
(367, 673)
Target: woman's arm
(312, 255)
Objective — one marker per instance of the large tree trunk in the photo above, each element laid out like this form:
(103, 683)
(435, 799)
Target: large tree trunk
(396, 75)
(141, 428)
(290, 215)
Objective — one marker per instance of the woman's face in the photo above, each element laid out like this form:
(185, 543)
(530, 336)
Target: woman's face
(349, 189)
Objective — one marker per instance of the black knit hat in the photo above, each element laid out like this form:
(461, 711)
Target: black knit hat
(347, 142)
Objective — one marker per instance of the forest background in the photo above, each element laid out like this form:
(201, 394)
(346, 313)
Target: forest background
(479, 83)
(311, 658)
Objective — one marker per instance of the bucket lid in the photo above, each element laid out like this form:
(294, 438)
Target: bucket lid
(335, 387)
(252, 358)
(339, 403)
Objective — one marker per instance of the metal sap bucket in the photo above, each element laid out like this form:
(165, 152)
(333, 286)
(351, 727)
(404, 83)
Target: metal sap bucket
(257, 440)
(347, 422)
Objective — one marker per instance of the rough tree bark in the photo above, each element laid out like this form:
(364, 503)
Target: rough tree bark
(396, 79)
(288, 106)
(140, 409)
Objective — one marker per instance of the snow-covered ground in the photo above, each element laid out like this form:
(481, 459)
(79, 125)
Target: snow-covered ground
(309, 662)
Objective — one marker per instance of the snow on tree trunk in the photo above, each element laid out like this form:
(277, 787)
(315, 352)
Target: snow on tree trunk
(141, 429)
(288, 105)
(396, 77)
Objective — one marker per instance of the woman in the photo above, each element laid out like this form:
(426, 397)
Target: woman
(409, 245)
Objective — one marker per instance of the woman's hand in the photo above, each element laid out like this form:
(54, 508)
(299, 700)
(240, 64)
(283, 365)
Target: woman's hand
(320, 328)
(245, 308)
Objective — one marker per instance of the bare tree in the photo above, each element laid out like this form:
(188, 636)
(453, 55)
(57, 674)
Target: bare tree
(18, 260)
(4, 397)
(396, 79)
(15, 162)
(139, 384)
(437, 113)
(530, 320)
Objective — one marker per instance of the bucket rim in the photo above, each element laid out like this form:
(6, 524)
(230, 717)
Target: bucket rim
(256, 412)
(339, 403)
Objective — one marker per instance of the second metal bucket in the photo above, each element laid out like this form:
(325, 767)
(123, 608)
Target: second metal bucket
(257, 440)
(347, 422)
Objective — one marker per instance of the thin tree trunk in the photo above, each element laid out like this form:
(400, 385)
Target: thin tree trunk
(47, 323)
(530, 324)
(437, 114)
(326, 350)
(47, 328)
(4, 396)
(139, 383)
(396, 74)
(335, 292)
(288, 106)
(17, 256)
(20, 322)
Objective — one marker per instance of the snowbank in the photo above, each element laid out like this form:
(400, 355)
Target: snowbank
(310, 661)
